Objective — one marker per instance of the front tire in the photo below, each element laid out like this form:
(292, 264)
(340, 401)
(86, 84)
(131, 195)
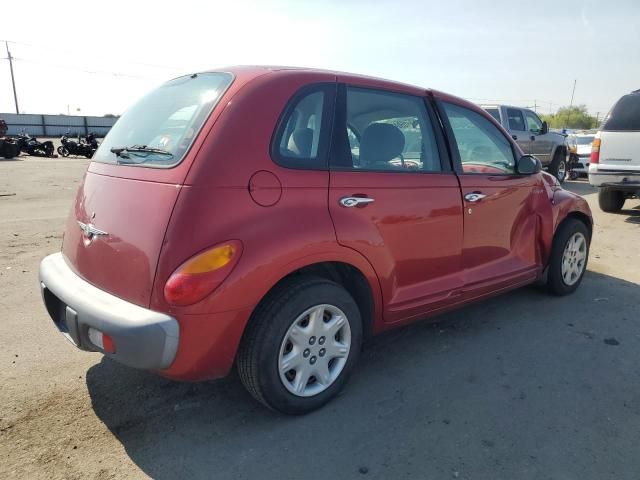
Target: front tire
(569, 256)
(610, 201)
(301, 345)
(558, 166)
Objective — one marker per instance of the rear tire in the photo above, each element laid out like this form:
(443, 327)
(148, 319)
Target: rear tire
(63, 151)
(565, 269)
(8, 150)
(610, 200)
(262, 363)
(48, 149)
(558, 166)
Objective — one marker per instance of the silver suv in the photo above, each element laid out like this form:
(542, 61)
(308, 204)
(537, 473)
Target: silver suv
(615, 154)
(533, 137)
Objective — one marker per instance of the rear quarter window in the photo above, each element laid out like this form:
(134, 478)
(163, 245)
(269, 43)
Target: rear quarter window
(625, 115)
(494, 113)
(301, 137)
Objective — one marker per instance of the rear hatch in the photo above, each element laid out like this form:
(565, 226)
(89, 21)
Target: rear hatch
(620, 136)
(116, 228)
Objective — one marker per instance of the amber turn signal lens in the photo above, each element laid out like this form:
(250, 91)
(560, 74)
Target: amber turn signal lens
(202, 274)
(210, 260)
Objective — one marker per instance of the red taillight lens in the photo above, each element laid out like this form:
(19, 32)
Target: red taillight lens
(200, 275)
(595, 151)
(107, 344)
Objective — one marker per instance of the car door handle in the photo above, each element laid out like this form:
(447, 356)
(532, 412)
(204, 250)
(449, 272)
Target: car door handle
(533, 137)
(474, 196)
(355, 201)
(515, 137)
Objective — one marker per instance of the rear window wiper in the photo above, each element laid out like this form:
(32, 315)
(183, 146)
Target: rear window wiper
(138, 151)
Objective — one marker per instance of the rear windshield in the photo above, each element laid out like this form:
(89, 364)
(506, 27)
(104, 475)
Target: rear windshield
(625, 115)
(158, 130)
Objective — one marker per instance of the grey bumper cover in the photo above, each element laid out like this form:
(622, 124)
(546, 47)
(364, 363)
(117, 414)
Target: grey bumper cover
(143, 338)
(630, 180)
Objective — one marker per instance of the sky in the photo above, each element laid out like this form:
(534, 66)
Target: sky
(95, 58)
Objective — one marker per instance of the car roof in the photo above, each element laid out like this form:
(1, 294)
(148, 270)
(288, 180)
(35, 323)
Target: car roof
(495, 105)
(246, 73)
(257, 70)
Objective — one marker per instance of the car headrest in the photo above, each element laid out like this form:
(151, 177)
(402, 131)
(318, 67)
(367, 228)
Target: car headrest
(301, 141)
(380, 143)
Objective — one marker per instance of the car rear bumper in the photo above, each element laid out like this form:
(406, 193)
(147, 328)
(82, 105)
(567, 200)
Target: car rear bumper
(581, 165)
(142, 338)
(622, 180)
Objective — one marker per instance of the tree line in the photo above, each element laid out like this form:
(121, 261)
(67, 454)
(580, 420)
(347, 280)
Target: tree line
(575, 117)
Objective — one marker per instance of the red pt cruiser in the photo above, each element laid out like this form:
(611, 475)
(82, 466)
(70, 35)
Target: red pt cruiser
(276, 217)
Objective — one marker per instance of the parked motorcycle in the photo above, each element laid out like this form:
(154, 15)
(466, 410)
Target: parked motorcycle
(85, 146)
(32, 146)
(91, 140)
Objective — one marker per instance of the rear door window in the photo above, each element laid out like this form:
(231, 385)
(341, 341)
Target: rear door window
(159, 129)
(386, 131)
(625, 115)
(516, 120)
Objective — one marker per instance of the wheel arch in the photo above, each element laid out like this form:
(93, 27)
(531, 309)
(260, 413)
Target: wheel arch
(558, 149)
(580, 216)
(345, 274)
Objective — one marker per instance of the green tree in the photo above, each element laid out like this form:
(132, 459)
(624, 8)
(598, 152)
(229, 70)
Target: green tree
(571, 117)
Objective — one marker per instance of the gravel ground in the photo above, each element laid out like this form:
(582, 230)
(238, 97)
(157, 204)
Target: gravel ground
(522, 386)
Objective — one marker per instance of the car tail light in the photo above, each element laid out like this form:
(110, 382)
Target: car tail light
(595, 151)
(102, 340)
(202, 274)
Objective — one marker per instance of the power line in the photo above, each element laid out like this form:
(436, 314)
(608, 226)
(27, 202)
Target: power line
(75, 53)
(71, 67)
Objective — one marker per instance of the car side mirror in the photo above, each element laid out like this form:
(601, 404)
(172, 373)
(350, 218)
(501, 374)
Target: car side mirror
(528, 165)
(545, 128)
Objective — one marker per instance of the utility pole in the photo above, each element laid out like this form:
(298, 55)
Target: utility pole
(571, 103)
(572, 93)
(13, 80)
(535, 106)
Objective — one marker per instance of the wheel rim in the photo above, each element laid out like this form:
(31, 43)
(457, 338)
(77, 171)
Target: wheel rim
(574, 258)
(314, 351)
(562, 170)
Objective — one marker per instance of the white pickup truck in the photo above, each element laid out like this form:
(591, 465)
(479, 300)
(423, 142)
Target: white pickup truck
(533, 137)
(615, 154)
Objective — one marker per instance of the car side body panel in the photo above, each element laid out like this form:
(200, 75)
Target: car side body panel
(219, 192)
